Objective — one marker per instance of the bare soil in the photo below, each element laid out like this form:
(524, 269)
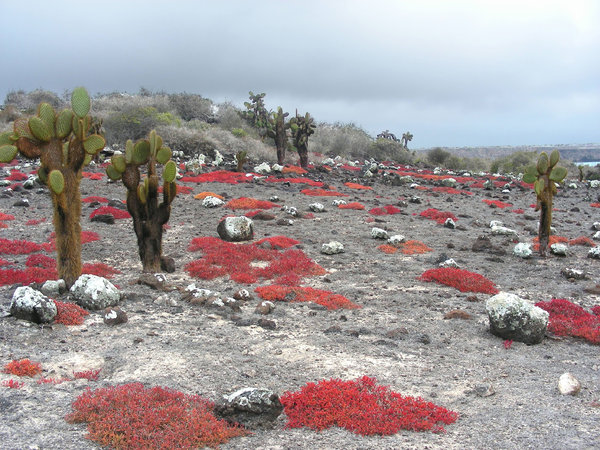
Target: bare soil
(506, 398)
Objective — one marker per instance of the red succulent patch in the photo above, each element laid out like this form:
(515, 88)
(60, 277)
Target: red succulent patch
(115, 212)
(595, 205)
(387, 248)
(351, 205)
(181, 190)
(8, 247)
(305, 294)
(460, 279)
(438, 216)
(23, 368)
(299, 180)
(569, 319)
(248, 263)
(92, 176)
(12, 384)
(496, 203)
(91, 375)
(385, 210)
(4, 216)
(15, 175)
(203, 195)
(39, 260)
(363, 407)
(294, 169)
(219, 176)
(99, 269)
(35, 221)
(414, 247)
(95, 198)
(553, 239)
(249, 203)
(582, 240)
(27, 276)
(358, 186)
(69, 313)
(322, 193)
(133, 416)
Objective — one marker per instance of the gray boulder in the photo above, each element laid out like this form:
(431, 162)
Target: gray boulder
(332, 248)
(29, 304)
(93, 292)
(236, 229)
(523, 250)
(252, 407)
(513, 318)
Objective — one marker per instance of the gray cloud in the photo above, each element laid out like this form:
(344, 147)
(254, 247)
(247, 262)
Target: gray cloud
(454, 73)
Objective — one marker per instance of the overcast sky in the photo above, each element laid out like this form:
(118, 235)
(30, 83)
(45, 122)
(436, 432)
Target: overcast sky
(454, 73)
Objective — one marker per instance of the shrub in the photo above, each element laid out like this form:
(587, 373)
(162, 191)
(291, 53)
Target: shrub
(460, 279)
(28, 101)
(23, 368)
(135, 122)
(91, 375)
(363, 407)
(239, 132)
(187, 140)
(514, 163)
(132, 416)
(569, 319)
(191, 106)
(386, 150)
(438, 156)
(347, 140)
(305, 294)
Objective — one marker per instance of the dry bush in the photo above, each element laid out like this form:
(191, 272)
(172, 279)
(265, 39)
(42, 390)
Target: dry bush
(514, 163)
(191, 106)
(107, 104)
(228, 117)
(28, 101)
(135, 122)
(346, 140)
(388, 150)
(188, 140)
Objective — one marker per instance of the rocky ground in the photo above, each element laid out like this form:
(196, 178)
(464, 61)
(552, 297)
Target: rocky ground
(506, 398)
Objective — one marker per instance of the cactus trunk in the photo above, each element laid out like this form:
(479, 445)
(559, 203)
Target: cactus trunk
(303, 154)
(544, 229)
(280, 140)
(67, 210)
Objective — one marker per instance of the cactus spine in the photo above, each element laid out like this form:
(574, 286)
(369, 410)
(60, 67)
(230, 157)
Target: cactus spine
(278, 131)
(544, 177)
(64, 145)
(148, 214)
(302, 127)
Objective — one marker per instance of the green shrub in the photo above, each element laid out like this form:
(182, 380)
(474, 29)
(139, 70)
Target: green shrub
(239, 132)
(437, 156)
(514, 163)
(135, 122)
(187, 140)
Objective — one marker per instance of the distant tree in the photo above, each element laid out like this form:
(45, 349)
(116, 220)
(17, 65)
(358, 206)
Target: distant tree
(406, 137)
(438, 156)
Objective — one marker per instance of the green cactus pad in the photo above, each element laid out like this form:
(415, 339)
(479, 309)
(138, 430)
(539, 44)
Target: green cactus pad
(170, 172)
(142, 194)
(128, 151)
(141, 152)
(93, 144)
(529, 178)
(118, 162)
(21, 128)
(42, 174)
(542, 164)
(163, 155)
(39, 129)
(87, 159)
(80, 102)
(64, 123)
(56, 181)
(8, 153)
(112, 173)
(538, 186)
(155, 142)
(554, 157)
(558, 174)
(5, 138)
(47, 114)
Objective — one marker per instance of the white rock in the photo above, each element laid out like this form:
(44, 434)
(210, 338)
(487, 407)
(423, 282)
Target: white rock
(449, 263)
(378, 233)
(339, 202)
(522, 250)
(276, 167)
(559, 249)
(568, 384)
(328, 162)
(54, 287)
(263, 168)
(511, 317)
(212, 202)
(596, 226)
(316, 207)
(291, 210)
(332, 248)
(594, 253)
(236, 229)
(396, 240)
(218, 158)
(504, 231)
(596, 236)
(572, 185)
(595, 184)
(449, 182)
(93, 292)
(496, 223)
(29, 304)
(449, 223)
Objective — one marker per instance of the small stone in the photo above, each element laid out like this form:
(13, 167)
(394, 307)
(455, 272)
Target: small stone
(263, 215)
(316, 207)
(568, 384)
(22, 202)
(33, 306)
(53, 288)
(594, 253)
(242, 295)
(449, 263)
(559, 249)
(264, 307)
(212, 202)
(484, 390)
(575, 274)
(114, 316)
(332, 248)
(504, 231)
(523, 250)
(236, 229)
(93, 292)
(396, 240)
(104, 218)
(267, 324)
(285, 222)
(378, 233)
(155, 281)
(253, 408)
(449, 223)
(333, 329)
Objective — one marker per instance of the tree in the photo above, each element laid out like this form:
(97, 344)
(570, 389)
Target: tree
(406, 137)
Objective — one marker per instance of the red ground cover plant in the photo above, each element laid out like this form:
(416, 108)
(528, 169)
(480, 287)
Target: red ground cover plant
(69, 313)
(460, 279)
(135, 417)
(414, 247)
(387, 248)
(8, 247)
(295, 294)
(358, 186)
(385, 210)
(91, 375)
(582, 240)
(95, 198)
(352, 205)
(51, 380)
(203, 195)
(351, 168)
(363, 407)
(595, 205)
(279, 242)
(596, 310)
(99, 269)
(4, 262)
(181, 189)
(219, 176)
(86, 237)
(450, 190)
(35, 221)
(15, 175)
(27, 276)
(23, 368)
(248, 263)
(115, 212)
(92, 176)
(554, 239)
(4, 216)
(569, 319)
(294, 169)
(249, 203)
(12, 384)
(496, 203)
(518, 211)
(322, 193)
(39, 260)
(438, 216)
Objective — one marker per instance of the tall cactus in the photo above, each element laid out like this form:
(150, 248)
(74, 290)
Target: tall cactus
(148, 214)
(278, 131)
(256, 114)
(64, 146)
(302, 127)
(544, 176)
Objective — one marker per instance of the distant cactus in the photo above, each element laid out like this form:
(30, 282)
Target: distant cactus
(64, 145)
(406, 138)
(278, 131)
(256, 114)
(544, 176)
(148, 214)
(302, 127)
(241, 157)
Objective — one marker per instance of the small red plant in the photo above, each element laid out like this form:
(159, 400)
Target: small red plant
(358, 186)
(27, 276)
(496, 203)
(8, 247)
(94, 198)
(300, 180)
(115, 212)
(582, 240)
(438, 216)
(13, 384)
(569, 319)
(595, 205)
(35, 221)
(92, 176)
(219, 176)
(387, 248)
(15, 175)
(553, 240)
(508, 344)
(23, 368)
(518, 211)
(249, 203)
(351, 205)
(203, 195)
(99, 269)
(132, 416)
(363, 407)
(388, 209)
(4, 217)
(414, 248)
(91, 375)
(305, 294)
(294, 169)
(322, 193)
(45, 380)
(69, 313)
(460, 279)
(39, 260)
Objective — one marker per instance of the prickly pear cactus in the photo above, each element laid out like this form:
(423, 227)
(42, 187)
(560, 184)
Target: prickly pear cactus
(544, 177)
(148, 213)
(241, 157)
(64, 145)
(302, 127)
(256, 113)
(278, 131)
